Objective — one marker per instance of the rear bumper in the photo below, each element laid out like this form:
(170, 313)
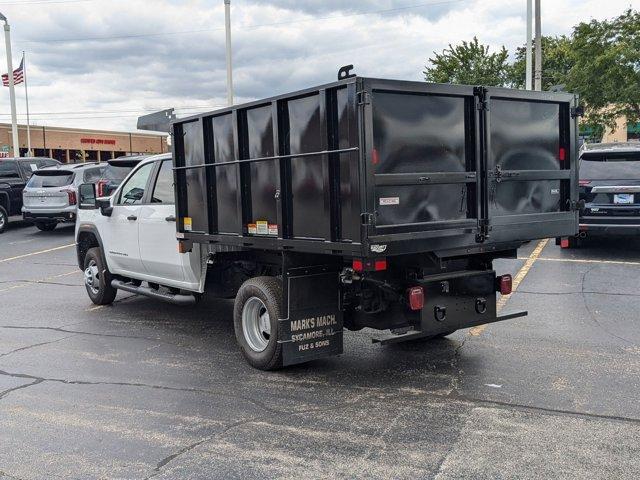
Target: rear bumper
(51, 217)
(610, 226)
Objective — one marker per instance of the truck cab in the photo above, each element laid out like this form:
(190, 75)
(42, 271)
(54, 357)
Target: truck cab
(132, 235)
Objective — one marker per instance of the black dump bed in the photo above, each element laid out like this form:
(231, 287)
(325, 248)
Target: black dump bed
(367, 167)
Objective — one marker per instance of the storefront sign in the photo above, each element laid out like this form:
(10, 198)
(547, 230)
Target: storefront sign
(97, 141)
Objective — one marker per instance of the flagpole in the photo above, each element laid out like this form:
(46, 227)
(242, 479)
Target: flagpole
(12, 90)
(26, 97)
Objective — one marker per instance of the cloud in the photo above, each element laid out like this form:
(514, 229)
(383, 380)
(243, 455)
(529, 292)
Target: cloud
(132, 56)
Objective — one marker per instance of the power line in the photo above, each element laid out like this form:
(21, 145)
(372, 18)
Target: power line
(242, 27)
(89, 112)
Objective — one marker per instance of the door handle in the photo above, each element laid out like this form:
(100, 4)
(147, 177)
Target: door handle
(170, 218)
(132, 218)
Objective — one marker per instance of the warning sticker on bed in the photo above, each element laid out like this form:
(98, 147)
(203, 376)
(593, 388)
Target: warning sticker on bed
(187, 224)
(252, 229)
(263, 227)
(389, 200)
(273, 229)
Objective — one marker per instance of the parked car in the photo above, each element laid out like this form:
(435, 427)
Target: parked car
(14, 175)
(115, 172)
(51, 194)
(610, 188)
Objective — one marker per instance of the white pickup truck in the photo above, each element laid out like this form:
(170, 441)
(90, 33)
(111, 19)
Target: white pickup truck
(131, 238)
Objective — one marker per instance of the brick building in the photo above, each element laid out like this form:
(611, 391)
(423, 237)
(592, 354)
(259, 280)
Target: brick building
(76, 144)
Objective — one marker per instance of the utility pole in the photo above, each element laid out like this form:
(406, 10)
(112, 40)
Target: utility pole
(227, 25)
(12, 89)
(538, 50)
(528, 69)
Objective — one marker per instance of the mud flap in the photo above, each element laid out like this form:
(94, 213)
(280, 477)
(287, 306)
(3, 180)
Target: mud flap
(314, 325)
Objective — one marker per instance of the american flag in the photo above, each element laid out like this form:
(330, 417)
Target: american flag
(18, 75)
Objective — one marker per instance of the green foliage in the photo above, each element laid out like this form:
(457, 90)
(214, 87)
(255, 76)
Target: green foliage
(469, 63)
(600, 61)
(556, 63)
(606, 68)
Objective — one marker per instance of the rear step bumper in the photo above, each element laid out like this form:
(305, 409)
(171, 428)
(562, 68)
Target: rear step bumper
(176, 299)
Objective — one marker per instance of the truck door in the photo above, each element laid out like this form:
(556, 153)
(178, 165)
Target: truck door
(423, 160)
(529, 163)
(121, 244)
(157, 224)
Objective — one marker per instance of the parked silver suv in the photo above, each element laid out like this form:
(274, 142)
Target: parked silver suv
(51, 195)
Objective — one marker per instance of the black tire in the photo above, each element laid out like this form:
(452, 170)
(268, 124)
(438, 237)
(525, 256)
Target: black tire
(4, 219)
(46, 226)
(269, 291)
(104, 293)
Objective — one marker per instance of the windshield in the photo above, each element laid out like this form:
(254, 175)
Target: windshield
(116, 174)
(50, 179)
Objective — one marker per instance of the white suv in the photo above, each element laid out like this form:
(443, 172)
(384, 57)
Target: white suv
(130, 238)
(51, 194)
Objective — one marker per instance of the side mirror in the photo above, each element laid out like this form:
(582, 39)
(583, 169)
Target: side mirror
(87, 193)
(104, 204)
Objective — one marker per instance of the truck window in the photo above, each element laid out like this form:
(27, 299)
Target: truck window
(8, 170)
(92, 175)
(163, 190)
(132, 192)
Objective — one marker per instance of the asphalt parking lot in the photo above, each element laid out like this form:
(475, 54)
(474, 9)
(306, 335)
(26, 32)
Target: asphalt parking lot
(148, 390)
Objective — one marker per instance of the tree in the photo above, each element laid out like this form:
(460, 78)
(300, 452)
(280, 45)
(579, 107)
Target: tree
(469, 63)
(557, 60)
(606, 68)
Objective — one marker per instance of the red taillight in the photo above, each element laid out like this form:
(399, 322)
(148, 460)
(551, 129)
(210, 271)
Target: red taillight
(562, 154)
(584, 183)
(100, 188)
(375, 157)
(380, 265)
(506, 284)
(377, 265)
(72, 196)
(415, 297)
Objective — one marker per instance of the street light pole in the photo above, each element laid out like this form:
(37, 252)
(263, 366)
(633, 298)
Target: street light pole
(12, 90)
(528, 69)
(227, 25)
(538, 50)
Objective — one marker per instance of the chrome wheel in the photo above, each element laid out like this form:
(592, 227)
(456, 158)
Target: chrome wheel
(3, 221)
(256, 324)
(92, 277)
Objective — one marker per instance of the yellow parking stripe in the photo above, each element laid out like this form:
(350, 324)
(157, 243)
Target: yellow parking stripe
(36, 253)
(535, 255)
(581, 260)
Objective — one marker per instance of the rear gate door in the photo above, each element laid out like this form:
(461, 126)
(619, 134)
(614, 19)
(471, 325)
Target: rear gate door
(529, 189)
(423, 160)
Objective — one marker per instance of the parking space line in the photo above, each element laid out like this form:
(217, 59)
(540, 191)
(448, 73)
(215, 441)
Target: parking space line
(39, 281)
(585, 260)
(517, 280)
(36, 253)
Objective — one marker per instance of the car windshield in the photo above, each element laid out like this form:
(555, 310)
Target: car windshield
(44, 179)
(116, 174)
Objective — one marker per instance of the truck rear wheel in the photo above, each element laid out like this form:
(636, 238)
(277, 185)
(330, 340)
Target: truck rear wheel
(97, 279)
(257, 309)
(4, 219)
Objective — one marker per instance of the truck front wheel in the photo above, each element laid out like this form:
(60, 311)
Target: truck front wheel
(258, 306)
(97, 279)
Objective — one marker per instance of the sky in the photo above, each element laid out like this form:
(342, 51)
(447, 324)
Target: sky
(101, 63)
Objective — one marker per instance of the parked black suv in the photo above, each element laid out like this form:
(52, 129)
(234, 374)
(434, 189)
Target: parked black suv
(610, 187)
(14, 174)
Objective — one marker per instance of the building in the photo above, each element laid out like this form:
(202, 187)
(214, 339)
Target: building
(624, 132)
(77, 145)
